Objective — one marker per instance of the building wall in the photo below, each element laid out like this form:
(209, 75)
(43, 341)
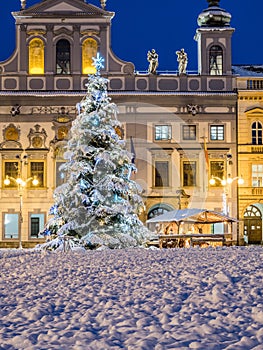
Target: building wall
(189, 111)
(250, 155)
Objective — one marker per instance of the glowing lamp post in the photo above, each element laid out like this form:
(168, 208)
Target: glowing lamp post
(21, 185)
(225, 183)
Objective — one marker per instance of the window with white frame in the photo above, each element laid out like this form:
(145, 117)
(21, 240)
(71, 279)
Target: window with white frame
(161, 178)
(11, 225)
(163, 132)
(217, 132)
(257, 175)
(256, 133)
(189, 132)
(189, 173)
(37, 222)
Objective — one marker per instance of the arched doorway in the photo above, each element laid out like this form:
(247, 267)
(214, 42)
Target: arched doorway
(157, 210)
(253, 225)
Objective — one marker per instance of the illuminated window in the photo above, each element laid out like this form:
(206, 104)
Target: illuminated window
(163, 132)
(257, 175)
(89, 50)
(216, 60)
(217, 133)
(189, 173)
(217, 171)
(36, 56)
(256, 133)
(63, 57)
(37, 171)
(11, 170)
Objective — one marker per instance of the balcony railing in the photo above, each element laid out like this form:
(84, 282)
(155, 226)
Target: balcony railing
(250, 191)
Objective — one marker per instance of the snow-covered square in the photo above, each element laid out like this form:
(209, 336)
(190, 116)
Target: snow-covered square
(132, 299)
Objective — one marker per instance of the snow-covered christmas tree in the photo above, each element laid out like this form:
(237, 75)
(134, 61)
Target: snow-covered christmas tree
(98, 205)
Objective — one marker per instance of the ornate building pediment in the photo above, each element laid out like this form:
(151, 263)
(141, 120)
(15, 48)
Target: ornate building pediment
(60, 7)
(37, 137)
(254, 111)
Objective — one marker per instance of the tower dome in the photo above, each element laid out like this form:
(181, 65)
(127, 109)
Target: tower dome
(214, 16)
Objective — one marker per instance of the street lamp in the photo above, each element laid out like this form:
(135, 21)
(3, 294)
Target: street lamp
(228, 182)
(225, 183)
(21, 185)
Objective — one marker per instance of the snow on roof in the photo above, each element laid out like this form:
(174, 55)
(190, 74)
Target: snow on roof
(248, 70)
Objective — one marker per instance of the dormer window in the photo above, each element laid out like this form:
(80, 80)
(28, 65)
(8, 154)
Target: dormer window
(36, 56)
(63, 57)
(216, 60)
(89, 50)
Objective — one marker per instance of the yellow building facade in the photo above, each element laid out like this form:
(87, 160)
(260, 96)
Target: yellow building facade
(250, 154)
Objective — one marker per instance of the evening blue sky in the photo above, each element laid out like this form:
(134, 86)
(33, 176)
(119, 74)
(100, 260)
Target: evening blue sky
(140, 25)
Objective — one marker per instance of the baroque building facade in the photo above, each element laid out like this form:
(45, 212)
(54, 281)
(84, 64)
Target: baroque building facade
(182, 128)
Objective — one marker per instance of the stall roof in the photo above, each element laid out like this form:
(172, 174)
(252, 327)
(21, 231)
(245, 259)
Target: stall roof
(193, 215)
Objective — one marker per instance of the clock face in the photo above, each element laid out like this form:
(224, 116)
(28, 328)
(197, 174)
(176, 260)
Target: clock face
(37, 142)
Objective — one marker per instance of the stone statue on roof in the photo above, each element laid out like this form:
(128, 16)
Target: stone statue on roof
(103, 3)
(152, 58)
(23, 4)
(183, 60)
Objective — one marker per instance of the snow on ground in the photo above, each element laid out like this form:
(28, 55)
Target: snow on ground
(132, 299)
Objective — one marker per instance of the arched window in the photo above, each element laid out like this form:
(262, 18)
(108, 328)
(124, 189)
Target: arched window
(63, 57)
(216, 60)
(252, 211)
(158, 209)
(256, 133)
(36, 56)
(89, 50)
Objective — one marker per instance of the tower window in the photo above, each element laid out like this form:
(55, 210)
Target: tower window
(36, 56)
(216, 60)
(89, 50)
(63, 57)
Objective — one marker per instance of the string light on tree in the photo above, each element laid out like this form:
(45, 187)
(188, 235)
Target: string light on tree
(99, 204)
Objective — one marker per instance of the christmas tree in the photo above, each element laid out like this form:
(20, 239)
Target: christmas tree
(98, 205)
